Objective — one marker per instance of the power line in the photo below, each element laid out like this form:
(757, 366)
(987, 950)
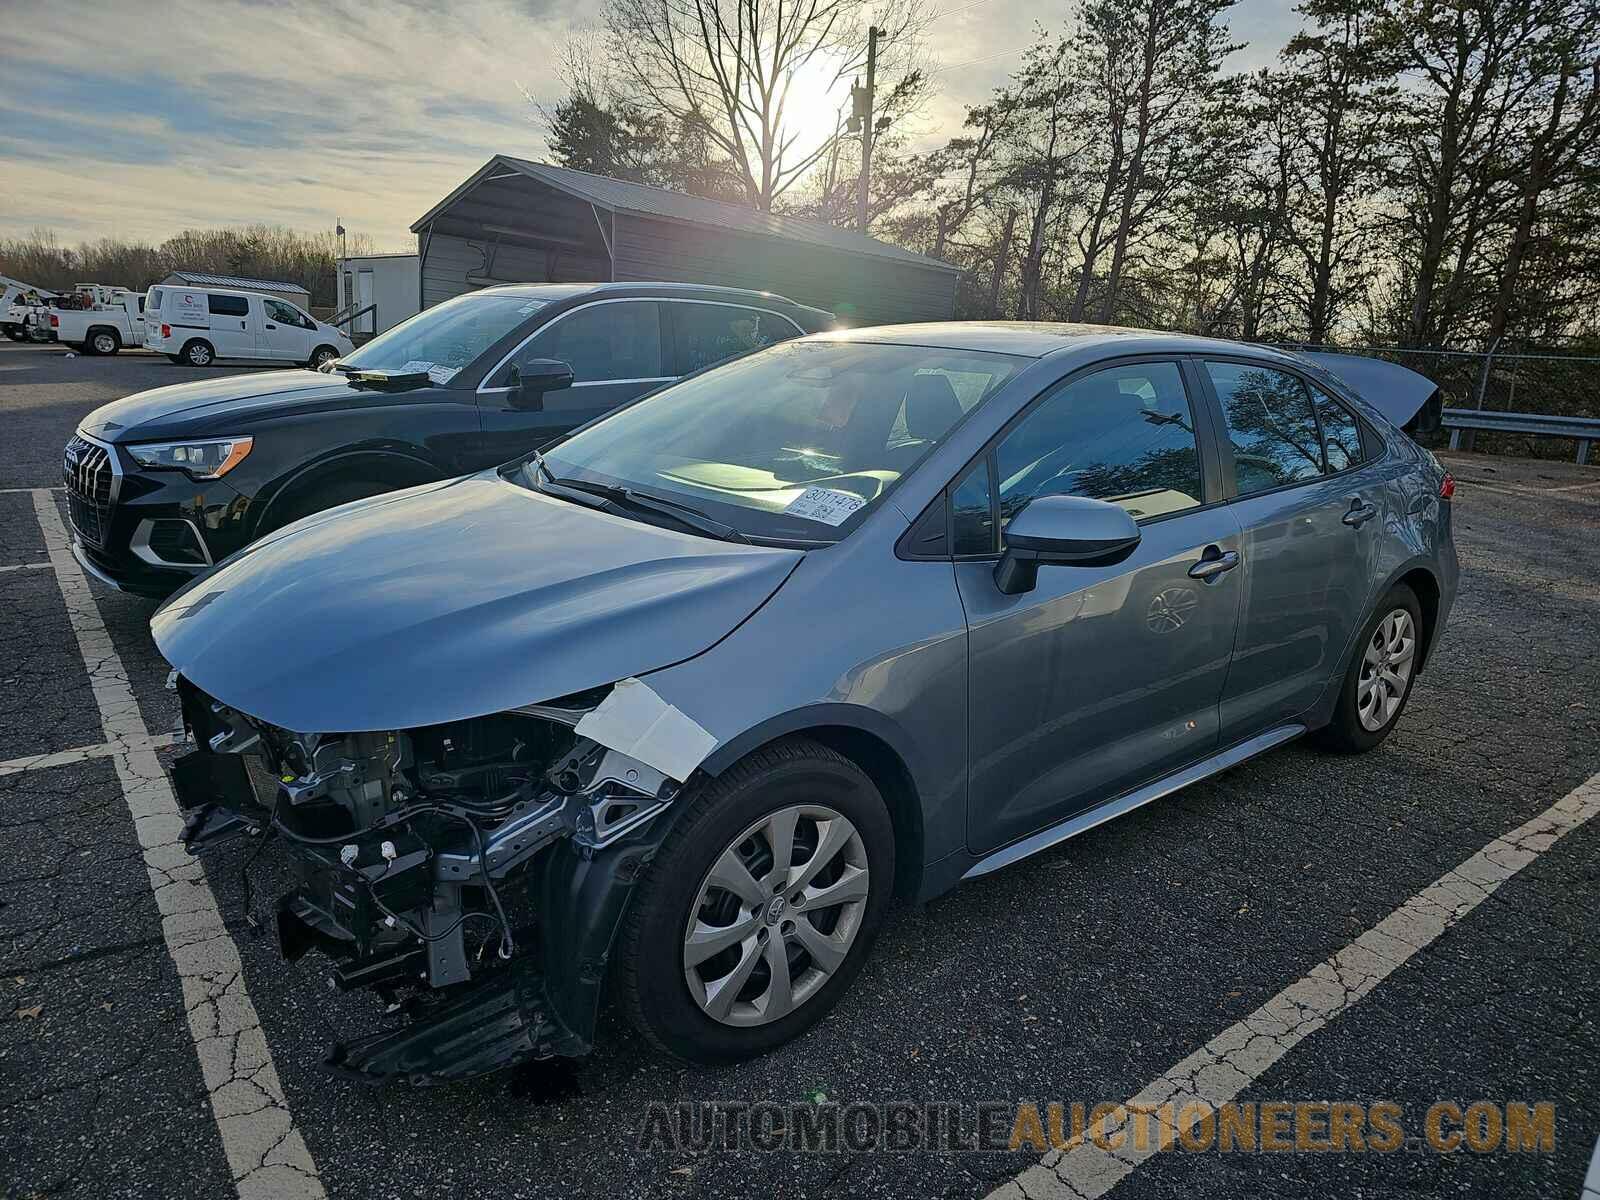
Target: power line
(974, 61)
(951, 12)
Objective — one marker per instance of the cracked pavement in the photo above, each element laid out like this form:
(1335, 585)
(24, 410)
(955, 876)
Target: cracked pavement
(1259, 930)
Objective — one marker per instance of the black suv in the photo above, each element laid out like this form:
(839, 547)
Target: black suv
(164, 483)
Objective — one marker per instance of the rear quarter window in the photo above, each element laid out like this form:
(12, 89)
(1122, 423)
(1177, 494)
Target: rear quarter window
(227, 306)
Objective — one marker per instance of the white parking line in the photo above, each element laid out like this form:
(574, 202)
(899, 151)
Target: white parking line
(31, 491)
(265, 1151)
(44, 566)
(1237, 1057)
(62, 758)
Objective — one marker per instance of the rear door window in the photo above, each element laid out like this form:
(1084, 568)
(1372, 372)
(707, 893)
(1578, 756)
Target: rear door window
(227, 306)
(1271, 424)
(706, 334)
(1341, 432)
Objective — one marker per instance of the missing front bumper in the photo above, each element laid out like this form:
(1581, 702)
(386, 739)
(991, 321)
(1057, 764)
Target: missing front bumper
(498, 1023)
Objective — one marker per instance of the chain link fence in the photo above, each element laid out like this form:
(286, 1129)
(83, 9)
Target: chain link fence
(1557, 384)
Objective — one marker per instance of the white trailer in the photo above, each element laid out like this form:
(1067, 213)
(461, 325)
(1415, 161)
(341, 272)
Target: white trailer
(387, 284)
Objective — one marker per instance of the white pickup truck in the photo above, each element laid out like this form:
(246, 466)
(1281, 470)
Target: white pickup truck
(113, 323)
(23, 315)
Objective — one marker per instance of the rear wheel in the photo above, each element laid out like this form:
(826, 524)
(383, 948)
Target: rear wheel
(1379, 679)
(197, 353)
(103, 341)
(760, 907)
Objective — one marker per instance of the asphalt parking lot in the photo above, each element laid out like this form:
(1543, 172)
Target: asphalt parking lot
(152, 1043)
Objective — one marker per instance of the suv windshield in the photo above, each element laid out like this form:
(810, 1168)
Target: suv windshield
(793, 443)
(443, 339)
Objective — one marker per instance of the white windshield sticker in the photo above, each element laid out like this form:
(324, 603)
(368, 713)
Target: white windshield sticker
(443, 374)
(825, 505)
(416, 365)
(532, 307)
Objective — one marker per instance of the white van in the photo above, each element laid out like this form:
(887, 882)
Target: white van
(199, 326)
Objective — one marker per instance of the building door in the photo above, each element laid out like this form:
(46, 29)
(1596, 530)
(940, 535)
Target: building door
(368, 323)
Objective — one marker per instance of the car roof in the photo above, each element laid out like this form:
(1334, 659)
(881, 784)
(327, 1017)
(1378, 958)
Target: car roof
(1035, 339)
(567, 291)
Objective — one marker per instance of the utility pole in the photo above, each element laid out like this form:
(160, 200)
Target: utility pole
(863, 110)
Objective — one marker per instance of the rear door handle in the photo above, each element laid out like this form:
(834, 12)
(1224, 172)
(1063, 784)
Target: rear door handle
(1360, 513)
(1213, 563)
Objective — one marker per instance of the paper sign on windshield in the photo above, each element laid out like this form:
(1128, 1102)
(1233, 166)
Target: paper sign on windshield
(825, 505)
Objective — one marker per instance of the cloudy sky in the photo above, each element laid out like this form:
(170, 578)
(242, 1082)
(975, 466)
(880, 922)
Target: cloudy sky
(136, 120)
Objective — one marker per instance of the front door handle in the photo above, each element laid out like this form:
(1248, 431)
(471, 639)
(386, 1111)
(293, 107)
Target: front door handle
(1360, 513)
(1213, 563)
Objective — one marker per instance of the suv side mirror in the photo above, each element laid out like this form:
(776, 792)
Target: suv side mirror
(1065, 530)
(534, 378)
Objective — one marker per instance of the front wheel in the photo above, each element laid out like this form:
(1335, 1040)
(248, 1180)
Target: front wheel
(1380, 676)
(760, 907)
(321, 355)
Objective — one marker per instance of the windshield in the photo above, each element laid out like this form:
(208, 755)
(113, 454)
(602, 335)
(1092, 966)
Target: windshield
(445, 338)
(793, 443)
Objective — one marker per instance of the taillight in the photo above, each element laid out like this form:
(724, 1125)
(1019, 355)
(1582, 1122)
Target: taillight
(166, 331)
(55, 322)
(1447, 486)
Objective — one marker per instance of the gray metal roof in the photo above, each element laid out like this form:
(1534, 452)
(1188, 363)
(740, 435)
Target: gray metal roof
(200, 279)
(617, 195)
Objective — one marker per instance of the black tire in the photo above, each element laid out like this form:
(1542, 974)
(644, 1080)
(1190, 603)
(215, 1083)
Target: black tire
(197, 352)
(326, 496)
(649, 965)
(102, 341)
(15, 334)
(173, 358)
(321, 355)
(1347, 732)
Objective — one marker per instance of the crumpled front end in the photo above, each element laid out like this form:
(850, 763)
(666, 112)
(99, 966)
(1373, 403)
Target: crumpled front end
(471, 873)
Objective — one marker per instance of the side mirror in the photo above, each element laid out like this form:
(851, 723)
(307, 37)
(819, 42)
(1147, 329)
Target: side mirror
(534, 378)
(1064, 530)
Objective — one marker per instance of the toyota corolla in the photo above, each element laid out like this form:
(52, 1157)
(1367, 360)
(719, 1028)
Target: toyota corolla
(677, 706)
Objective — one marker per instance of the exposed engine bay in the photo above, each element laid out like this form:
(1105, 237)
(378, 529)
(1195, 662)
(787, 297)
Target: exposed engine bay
(471, 873)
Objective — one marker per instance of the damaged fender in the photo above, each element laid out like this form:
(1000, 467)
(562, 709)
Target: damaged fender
(474, 874)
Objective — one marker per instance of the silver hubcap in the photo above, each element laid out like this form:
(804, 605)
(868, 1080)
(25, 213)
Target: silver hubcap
(103, 343)
(776, 915)
(200, 355)
(1386, 670)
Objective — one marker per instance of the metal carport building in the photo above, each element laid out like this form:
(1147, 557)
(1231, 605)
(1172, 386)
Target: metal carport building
(517, 221)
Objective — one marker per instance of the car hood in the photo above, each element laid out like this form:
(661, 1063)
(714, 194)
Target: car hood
(453, 600)
(212, 406)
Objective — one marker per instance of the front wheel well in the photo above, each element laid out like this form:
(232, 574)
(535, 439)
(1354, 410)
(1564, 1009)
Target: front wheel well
(888, 772)
(1426, 588)
(390, 470)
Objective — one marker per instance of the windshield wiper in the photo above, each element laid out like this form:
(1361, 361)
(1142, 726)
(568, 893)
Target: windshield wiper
(626, 497)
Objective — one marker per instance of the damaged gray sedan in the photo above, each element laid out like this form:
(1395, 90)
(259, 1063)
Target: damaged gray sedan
(676, 707)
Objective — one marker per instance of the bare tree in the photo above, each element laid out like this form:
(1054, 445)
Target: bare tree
(730, 67)
(1559, 144)
(1149, 68)
(1339, 88)
(1468, 66)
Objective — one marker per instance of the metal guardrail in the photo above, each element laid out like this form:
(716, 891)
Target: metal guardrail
(1583, 429)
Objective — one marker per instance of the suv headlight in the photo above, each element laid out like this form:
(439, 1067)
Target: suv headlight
(211, 458)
